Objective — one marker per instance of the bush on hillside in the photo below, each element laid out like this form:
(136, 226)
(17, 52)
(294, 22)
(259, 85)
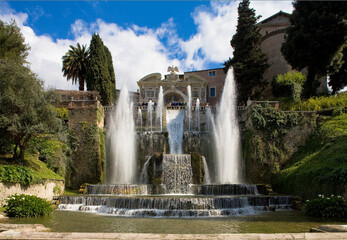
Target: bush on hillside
(16, 174)
(289, 85)
(21, 205)
(326, 207)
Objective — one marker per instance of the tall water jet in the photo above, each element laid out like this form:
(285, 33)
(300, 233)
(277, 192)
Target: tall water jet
(189, 90)
(160, 108)
(227, 135)
(139, 118)
(208, 119)
(150, 113)
(197, 113)
(174, 125)
(120, 167)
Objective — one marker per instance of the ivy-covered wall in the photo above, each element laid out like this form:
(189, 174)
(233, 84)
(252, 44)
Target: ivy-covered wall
(271, 139)
(87, 143)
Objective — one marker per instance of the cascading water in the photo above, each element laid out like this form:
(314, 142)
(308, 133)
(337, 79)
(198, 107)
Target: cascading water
(174, 125)
(177, 173)
(208, 119)
(160, 108)
(150, 113)
(144, 172)
(197, 113)
(189, 104)
(227, 135)
(120, 167)
(139, 118)
(207, 178)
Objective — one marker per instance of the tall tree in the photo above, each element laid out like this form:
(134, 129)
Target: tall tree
(338, 70)
(12, 43)
(249, 62)
(24, 110)
(317, 31)
(100, 74)
(75, 64)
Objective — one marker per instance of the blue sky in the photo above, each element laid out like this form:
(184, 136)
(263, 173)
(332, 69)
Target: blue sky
(143, 36)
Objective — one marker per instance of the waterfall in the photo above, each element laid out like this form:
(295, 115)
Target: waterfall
(160, 108)
(174, 206)
(208, 119)
(207, 179)
(120, 167)
(150, 113)
(139, 118)
(144, 172)
(177, 173)
(227, 135)
(174, 125)
(189, 106)
(197, 113)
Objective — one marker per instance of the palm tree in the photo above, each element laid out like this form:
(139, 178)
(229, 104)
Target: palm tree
(75, 63)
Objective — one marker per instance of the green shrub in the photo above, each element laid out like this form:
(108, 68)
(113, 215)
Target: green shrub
(21, 205)
(16, 174)
(320, 103)
(289, 85)
(63, 113)
(326, 207)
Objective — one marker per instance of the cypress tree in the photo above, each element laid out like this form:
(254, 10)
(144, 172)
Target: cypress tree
(100, 73)
(249, 62)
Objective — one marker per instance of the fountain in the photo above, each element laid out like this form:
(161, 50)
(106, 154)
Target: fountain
(150, 114)
(120, 162)
(175, 182)
(139, 118)
(160, 108)
(189, 104)
(197, 113)
(227, 135)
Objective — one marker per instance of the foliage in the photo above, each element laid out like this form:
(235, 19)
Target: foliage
(289, 85)
(16, 174)
(54, 153)
(21, 205)
(24, 110)
(12, 43)
(267, 146)
(332, 207)
(338, 101)
(75, 64)
(100, 73)
(249, 62)
(273, 121)
(338, 76)
(320, 165)
(63, 113)
(316, 33)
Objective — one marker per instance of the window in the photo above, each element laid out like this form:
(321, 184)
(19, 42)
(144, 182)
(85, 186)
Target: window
(212, 91)
(150, 94)
(212, 73)
(64, 97)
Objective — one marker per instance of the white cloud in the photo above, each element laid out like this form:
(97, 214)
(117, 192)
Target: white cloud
(138, 51)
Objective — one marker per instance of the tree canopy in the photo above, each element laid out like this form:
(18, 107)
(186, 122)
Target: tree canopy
(100, 73)
(75, 64)
(249, 62)
(317, 31)
(12, 44)
(24, 111)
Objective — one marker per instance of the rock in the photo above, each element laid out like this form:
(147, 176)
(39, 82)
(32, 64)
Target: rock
(333, 228)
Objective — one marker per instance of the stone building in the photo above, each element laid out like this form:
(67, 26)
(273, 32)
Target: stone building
(206, 85)
(273, 31)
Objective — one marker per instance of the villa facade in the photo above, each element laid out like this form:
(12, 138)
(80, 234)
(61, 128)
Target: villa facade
(206, 85)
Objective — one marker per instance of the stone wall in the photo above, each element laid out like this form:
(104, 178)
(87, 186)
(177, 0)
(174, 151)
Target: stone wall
(86, 124)
(46, 190)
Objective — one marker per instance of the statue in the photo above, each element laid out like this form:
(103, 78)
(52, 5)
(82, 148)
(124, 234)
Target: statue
(172, 76)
